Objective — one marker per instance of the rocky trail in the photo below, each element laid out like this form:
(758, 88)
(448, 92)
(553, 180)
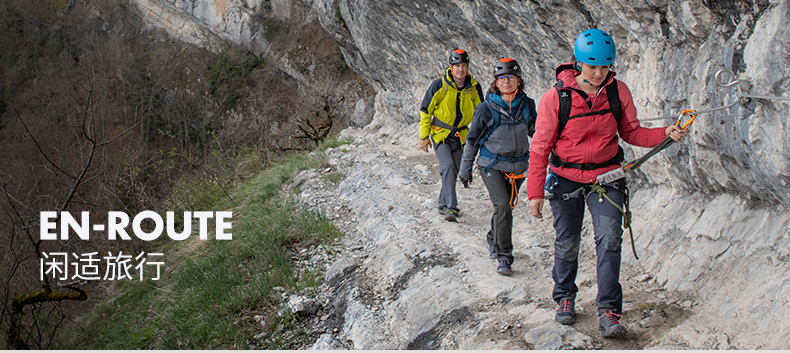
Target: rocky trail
(405, 278)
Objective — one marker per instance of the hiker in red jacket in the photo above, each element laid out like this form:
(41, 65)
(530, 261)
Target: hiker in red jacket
(580, 141)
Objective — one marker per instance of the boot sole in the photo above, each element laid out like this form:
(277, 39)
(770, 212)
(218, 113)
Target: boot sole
(615, 333)
(565, 320)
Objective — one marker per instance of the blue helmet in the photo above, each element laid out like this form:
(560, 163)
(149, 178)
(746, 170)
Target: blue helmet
(594, 47)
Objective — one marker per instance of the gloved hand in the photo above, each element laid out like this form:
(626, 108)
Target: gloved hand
(465, 179)
(424, 143)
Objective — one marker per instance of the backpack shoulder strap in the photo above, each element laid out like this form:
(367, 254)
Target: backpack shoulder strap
(612, 94)
(492, 125)
(530, 114)
(614, 101)
(565, 108)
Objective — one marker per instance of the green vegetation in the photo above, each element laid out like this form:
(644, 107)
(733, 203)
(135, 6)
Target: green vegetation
(333, 142)
(200, 304)
(334, 177)
(227, 74)
(100, 113)
(271, 27)
(340, 61)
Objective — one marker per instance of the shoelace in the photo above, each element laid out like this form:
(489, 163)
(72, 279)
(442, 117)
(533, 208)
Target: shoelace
(613, 318)
(565, 306)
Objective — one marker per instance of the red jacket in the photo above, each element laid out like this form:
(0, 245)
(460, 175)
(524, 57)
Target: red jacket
(590, 139)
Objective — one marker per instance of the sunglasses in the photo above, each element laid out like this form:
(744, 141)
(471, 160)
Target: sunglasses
(506, 77)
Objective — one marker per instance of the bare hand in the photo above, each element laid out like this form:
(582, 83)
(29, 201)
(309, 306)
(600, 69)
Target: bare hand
(535, 206)
(675, 132)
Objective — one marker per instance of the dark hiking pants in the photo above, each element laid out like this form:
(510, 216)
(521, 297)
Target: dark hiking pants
(500, 191)
(449, 154)
(607, 220)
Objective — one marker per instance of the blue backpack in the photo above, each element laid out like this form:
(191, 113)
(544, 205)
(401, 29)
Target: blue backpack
(522, 116)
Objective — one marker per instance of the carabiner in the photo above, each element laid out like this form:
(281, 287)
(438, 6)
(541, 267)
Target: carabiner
(551, 182)
(691, 120)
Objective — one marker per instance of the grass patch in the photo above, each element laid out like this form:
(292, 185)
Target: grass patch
(206, 300)
(334, 177)
(333, 142)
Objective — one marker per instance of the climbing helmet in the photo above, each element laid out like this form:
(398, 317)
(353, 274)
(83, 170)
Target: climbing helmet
(459, 56)
(507, 66)
(594, 47)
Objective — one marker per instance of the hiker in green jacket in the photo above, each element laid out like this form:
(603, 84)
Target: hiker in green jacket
(445, 113)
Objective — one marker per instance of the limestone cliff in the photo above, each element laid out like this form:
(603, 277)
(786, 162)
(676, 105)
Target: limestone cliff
(711, 212)
(286, 32)
(668, 54)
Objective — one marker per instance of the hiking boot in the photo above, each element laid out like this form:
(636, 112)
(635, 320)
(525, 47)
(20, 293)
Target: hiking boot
(491, 252)
(443, 210)
(609, 325)
(451, 215)
(566, 314)
(504, 268)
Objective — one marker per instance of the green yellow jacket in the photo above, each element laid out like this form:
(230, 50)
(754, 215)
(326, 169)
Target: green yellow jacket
(449, 104)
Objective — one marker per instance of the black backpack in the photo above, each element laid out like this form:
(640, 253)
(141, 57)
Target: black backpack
(615, 107)
(523, 115)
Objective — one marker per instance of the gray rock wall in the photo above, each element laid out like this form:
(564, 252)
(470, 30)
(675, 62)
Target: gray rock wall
(711, 212)
(668, 53)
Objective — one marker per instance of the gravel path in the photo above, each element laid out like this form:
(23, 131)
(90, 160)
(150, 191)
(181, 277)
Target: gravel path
(406, 278)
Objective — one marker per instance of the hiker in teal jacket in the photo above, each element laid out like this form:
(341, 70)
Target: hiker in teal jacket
(500, 131)
(446, 111)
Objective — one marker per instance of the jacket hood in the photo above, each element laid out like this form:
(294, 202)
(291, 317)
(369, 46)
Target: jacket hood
(492, 98)
(566, 76)
(448, 78)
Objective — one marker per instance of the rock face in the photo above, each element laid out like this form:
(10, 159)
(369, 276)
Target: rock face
(286, 32)
(668, 54)
(208, 22)
(711, 213)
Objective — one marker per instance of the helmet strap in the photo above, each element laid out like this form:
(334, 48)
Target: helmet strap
(511, 93)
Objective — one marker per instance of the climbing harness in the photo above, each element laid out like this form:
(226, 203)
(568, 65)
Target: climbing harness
(625, 210)
(454, 130)
(460, 137)
(512, 177)
(586, 190)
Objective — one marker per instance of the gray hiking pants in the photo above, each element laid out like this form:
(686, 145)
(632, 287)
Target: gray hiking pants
(501, 234)
(607, 222)
(449, 153)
